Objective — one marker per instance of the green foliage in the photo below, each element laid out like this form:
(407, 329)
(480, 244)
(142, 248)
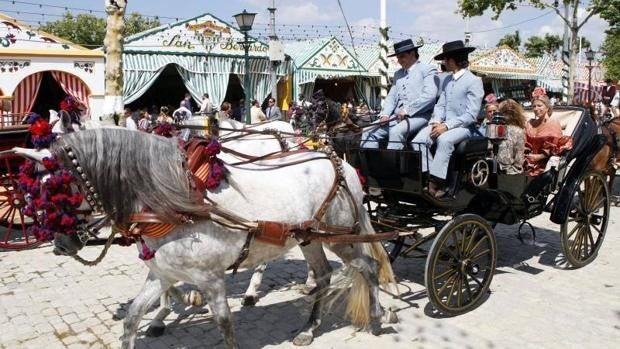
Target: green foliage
(135, 23)
(611, 12)
(611, 51)
(537, 46)
(83, 29)
(88, 30)
(511, 40)
(585, 44)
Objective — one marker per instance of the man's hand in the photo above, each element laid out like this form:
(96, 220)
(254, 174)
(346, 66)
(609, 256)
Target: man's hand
(438, 129)
(535, 157)
(383, 119)
(401, 115)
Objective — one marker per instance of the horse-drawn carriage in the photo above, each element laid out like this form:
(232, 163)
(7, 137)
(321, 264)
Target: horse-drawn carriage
(14, 233)
(461, 260)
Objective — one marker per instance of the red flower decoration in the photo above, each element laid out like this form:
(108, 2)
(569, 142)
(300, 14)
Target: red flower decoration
(50, 164)
(40, 128)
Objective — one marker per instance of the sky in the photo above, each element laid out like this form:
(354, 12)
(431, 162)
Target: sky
(434, 20)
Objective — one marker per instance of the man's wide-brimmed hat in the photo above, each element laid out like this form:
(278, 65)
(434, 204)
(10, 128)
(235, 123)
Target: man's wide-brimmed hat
(404, 46)
(453, 48)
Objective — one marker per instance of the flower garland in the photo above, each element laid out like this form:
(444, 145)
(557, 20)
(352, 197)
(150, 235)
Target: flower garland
(51, 202)
(217, 171)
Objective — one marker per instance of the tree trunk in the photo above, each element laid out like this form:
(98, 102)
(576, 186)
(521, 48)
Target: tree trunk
(113, 47)
(572, 68)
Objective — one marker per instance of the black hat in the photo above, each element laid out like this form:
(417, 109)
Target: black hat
(453, 48)
(404, 46)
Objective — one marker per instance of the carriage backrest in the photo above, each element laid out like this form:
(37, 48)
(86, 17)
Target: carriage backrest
(568, 119)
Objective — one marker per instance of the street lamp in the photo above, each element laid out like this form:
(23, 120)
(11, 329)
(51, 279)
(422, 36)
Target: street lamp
(244, 21)
(590, 58)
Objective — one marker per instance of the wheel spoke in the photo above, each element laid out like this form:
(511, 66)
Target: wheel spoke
(448, 272)
(445, 284)
(459, 292)
(594, 195)
(453, 282)
(474, 278)
(479, 241)
(467, 286)
(487, 251)
(573, 231)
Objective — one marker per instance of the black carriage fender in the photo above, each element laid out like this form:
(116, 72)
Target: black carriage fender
(562, 202)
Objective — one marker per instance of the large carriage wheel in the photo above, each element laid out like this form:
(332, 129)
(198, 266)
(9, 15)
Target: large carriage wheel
(460, 265)
(584, 230)
(13, 224)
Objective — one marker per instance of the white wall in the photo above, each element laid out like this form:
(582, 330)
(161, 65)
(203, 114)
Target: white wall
(95, 80)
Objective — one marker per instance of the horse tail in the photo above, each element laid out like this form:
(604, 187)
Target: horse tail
(358, 306)
(385, 273)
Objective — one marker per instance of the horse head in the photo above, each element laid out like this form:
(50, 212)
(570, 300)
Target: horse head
(60, 208)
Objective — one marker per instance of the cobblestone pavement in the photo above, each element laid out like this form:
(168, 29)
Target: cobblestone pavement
(49, 302)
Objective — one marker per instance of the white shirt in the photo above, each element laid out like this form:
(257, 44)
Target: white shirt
(458, 74)
(616, 101)
(206, 106)
(130, 124)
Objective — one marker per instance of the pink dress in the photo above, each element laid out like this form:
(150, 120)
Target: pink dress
(546, 139)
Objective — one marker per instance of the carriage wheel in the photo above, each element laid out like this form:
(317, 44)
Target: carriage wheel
(13, 224)
(460, 265)
(584, 230)
(393, 247)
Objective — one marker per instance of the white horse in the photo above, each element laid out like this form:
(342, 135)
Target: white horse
(151, 176)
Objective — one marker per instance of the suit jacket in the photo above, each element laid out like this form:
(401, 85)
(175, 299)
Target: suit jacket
(413, 91)
(459, 103)
(273, 113)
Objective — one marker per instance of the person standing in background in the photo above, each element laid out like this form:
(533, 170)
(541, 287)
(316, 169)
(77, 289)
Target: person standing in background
(273, 112)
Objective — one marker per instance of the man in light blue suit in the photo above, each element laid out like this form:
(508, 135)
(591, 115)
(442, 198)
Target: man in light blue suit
(453, 118)
(410, 100)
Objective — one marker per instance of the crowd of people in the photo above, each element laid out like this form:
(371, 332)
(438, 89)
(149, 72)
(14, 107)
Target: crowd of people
(146, 119)
(432, 109)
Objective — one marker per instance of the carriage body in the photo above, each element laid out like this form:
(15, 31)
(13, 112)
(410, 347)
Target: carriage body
(480, 196)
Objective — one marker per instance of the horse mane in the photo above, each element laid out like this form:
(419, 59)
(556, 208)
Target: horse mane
(132, 170)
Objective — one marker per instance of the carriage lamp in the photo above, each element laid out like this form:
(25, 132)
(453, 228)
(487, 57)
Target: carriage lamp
(590, 58)
(496, 128)
(245, 20)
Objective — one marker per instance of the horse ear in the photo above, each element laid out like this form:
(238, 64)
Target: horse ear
(33, 154)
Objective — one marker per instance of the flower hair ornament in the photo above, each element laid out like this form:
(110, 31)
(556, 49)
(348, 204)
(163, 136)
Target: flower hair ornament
(490, 98)
(539, 91)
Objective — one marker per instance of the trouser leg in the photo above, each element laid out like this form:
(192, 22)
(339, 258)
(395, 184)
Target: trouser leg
(399, 132)
(445, 147)
(422, 143)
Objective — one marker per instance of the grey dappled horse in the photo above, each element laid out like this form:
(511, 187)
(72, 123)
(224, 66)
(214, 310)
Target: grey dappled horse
(132, 170)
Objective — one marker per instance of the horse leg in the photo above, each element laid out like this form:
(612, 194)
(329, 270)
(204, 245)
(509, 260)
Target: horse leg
(317, 262)
(191, 298)
(310, 285)
(152, 289)
(251, 294)
(214, 288)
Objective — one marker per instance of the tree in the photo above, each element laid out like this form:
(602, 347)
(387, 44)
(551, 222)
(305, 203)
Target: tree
(611, 52)
(537, 46)
(83, 29)
(88, 30)
(113, 48)
(511, 40)
(565, 9)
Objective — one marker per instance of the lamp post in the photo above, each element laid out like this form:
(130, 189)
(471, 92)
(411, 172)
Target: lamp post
(244, 21)
(590, 58)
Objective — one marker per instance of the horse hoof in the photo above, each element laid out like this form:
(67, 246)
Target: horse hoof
(155, 331)
(389, 317)
(194, 298)
(249, 301)
(303, 339)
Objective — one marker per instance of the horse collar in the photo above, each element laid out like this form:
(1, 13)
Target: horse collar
(92, 197)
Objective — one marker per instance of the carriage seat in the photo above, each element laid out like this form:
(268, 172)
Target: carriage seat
(475, 145)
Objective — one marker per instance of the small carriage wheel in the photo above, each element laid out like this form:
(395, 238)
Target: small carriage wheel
(583, 231)
(480, 173)
(460, 264)
(14, 225)
(393, 247)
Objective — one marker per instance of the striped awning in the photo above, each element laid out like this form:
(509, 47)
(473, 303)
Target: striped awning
(25, 94)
